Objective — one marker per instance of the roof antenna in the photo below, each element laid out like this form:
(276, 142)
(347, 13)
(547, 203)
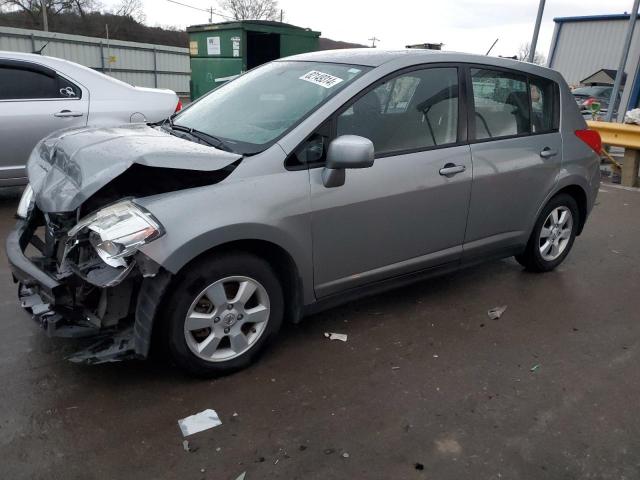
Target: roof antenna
(39, 52)
(491, 47)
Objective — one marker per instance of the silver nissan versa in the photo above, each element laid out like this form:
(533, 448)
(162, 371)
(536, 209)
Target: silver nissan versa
(301, 184)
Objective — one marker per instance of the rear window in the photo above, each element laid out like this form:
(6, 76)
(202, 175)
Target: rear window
(25, 84)
(510, 104)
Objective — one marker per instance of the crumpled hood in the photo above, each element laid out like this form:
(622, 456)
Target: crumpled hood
(69, 166)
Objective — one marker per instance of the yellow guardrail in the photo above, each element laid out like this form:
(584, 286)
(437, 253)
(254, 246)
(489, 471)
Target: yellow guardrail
(622, 135)
(617, 134)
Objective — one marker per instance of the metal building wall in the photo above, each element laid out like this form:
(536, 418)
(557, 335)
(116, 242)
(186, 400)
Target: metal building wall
(583, 47)
(140, 64)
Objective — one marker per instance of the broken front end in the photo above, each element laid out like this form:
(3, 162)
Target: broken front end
(82, 275)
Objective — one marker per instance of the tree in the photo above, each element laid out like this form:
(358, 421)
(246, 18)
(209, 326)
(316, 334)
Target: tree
(33, 8)
(250, 9)
(132, 9)
(523, 55)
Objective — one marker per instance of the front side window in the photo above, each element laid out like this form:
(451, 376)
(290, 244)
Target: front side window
(415, 110)
(544, 105)
(501, 103)
(257, 108)
(26, 84)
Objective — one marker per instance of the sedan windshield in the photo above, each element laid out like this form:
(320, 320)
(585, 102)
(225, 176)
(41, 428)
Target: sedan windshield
(253, 111)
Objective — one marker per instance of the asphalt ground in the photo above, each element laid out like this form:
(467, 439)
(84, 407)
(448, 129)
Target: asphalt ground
(426, 387)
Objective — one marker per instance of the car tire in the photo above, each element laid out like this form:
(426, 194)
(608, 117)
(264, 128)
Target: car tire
(202, 335)
(552, 236)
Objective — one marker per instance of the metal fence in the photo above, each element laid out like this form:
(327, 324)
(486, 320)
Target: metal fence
(140, 64)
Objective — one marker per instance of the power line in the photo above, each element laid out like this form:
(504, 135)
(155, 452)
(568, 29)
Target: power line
(210, 11)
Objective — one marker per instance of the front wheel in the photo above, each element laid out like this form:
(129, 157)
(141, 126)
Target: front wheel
(553, 235)
(222, 313)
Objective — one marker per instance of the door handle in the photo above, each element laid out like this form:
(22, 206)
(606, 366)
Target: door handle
(68, 113)
(548, 153)
(451, 169)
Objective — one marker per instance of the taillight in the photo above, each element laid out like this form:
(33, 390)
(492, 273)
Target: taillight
(589, 101)
(591, 138)
(178, 106)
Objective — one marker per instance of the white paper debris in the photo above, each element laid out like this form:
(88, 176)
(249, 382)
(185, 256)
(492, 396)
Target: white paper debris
(320, 78)
(496, 312)
(336, 336)
(199, 422)
(241, 476)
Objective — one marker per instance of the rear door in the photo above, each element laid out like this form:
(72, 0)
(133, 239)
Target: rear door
(402, 214)
(516, 149)
(34, 101)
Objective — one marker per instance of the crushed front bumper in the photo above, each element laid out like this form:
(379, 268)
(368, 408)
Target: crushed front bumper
(118, 318)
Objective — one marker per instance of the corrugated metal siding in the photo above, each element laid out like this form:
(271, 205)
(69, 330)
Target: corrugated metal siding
(134, 61)
(584, 47)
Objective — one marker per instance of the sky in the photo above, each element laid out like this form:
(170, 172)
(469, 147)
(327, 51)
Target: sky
(462, 25)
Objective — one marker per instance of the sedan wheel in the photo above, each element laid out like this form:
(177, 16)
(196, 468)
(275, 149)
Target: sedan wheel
(556, 233)
(227, 318)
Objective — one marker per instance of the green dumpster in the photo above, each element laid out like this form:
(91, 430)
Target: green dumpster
(222, 50)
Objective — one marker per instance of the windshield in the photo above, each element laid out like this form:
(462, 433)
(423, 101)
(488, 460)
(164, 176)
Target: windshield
(249, 113)
(600, 92)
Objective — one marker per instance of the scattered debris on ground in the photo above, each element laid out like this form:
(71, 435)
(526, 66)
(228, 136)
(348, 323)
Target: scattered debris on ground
(535, 367)
(345, 455)
(185, 445)
(418, 466)
(336, 336)
(496, 312)
(199, 422)
(241, 476)
(329, 451)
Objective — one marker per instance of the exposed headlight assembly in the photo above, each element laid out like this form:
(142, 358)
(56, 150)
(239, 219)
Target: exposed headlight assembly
(25, 202)
(118, 231)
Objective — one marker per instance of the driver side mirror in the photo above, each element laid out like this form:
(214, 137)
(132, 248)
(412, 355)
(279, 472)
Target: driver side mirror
(346, 151)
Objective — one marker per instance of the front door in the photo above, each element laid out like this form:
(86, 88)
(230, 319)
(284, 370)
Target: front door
(34, 102)
(516, 153)
(408, 211)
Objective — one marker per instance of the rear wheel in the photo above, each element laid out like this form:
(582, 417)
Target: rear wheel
(222, 313)
(553, 235)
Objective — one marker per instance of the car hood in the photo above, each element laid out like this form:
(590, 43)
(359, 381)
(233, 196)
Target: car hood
(68, 167)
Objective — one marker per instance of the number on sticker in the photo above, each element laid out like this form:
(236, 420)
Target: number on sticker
(320, 78)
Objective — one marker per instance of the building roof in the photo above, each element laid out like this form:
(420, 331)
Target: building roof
(593, 18)
(606, 76)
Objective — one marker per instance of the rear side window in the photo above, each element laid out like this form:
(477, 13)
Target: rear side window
(501, 103)
(25, 84)
(415, 110)
(544, 105)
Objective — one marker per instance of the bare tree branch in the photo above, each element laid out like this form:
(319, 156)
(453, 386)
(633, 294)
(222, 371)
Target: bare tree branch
(523, 54)
(250, 9)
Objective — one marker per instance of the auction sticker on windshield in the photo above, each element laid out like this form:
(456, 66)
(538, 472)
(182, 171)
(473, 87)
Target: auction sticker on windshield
(319, 78)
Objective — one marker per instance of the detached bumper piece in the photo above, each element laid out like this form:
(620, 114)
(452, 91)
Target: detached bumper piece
(81, 297)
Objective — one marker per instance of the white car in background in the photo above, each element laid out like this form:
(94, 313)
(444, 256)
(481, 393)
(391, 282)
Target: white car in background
(40, 94)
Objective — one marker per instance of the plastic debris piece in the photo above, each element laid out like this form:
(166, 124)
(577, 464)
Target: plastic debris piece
(241, 476)
(199, 422)
(235, 414)
(185, 445)
(435, 355)
(345, 455)
(395, 368)
(535, 367)
(496, 312)
(336, 336)
(329, 451)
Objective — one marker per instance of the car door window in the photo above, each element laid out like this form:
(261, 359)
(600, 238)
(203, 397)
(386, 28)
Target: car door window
(501, 103)
(544, 105)
(412, 111)
(27, 84)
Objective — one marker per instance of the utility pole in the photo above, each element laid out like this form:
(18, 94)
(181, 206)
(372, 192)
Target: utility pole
(45, 20)
(623, 61)
(281, 15)
(373, 41)
(536, 31)
(210, 14)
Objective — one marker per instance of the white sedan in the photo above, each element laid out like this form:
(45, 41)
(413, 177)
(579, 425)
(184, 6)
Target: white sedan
(40, 94)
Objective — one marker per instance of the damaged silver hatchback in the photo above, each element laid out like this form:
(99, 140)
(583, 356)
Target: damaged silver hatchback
(299, 185)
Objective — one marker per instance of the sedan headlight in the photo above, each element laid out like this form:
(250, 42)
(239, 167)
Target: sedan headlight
(117, 231)
(25, 202)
